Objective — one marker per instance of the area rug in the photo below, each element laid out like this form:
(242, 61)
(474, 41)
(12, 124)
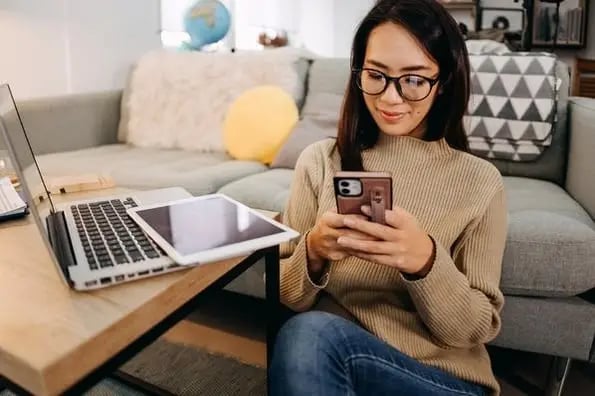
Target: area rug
(189, 371)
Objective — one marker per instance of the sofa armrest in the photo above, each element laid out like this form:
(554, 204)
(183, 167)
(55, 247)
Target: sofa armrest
(580, 177)
(71, 122)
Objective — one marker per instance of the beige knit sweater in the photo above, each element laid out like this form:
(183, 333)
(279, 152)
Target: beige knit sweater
(444, 319)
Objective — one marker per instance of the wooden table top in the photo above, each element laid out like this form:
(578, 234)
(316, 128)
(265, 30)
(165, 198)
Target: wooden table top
(52, 336)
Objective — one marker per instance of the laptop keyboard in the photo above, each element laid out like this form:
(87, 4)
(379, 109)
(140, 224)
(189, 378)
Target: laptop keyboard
(109, 236)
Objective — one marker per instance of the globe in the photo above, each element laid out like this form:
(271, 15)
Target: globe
(206, 22)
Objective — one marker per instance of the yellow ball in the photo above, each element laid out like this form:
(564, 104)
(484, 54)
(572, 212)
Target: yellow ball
(258, 122)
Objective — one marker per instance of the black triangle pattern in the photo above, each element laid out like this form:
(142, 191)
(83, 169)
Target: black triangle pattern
(484, 110)
(532, 113)
(498, 88)
(511, 67)
(480, 130)
(545, 91)
(530, 133)
(475, 85)
(535, 68)
(487, 66)
(504, 132)
(507, 112)
(521, 90)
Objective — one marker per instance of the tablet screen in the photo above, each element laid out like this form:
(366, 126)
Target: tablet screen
(194, 226)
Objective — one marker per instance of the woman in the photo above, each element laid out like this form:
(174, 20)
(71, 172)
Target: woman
(420, 294)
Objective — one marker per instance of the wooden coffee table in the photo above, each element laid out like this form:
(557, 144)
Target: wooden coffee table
(54, 340)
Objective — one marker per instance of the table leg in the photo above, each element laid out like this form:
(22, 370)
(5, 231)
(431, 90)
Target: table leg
(273, 303)
(13, 388)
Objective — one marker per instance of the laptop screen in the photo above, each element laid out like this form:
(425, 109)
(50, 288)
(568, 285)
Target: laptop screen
(15, 141)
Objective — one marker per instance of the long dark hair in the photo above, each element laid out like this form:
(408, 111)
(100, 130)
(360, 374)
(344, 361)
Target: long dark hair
(439, 34)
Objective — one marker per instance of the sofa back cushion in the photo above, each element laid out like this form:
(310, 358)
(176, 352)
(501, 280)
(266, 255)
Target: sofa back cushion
(320, 114)
(328, 76)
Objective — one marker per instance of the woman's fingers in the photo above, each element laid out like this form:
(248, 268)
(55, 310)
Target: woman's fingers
(371, 247)
(367, 227)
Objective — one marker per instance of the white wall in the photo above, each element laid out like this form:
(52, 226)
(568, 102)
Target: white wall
(33, 50)
(316, 27)
(347, 19)
(106, 37)
(53, 47)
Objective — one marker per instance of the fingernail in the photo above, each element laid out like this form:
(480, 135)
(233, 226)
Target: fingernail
(340, 240)
(348, 222)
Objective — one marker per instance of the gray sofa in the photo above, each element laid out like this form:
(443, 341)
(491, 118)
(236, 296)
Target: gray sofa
(549, 264)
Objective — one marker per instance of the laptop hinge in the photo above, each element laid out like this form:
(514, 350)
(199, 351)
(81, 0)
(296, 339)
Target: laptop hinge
(60, 241)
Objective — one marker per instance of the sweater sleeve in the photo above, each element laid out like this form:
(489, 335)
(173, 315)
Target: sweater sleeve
(298, 291)
(459, 300)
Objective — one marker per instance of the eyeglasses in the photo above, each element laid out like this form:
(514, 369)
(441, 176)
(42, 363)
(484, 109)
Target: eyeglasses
(411, 87)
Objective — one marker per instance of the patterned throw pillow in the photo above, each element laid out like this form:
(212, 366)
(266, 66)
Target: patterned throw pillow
(513, 105)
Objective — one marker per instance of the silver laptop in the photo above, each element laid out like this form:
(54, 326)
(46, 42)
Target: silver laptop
(94, 243)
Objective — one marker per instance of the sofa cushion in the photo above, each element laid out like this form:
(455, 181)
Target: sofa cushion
(512, 106)
(550, 249)
(551, 164)
(267, 190)
(320, 118)
(143, 168)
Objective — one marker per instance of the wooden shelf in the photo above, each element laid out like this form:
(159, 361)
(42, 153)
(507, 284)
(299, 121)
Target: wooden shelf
(544, 44)
(459, 5)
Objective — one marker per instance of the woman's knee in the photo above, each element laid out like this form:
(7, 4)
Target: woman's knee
(306, 337)
(303, 329)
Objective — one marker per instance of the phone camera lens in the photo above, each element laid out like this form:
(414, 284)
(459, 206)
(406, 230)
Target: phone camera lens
(344, 183)
(345, 191)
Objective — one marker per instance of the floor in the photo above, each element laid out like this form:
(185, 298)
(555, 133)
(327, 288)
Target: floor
(233, 325)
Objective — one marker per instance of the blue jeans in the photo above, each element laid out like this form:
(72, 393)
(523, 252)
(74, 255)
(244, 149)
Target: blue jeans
(317, 353)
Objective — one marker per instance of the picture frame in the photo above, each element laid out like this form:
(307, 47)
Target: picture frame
(507, 19)
(464, 12)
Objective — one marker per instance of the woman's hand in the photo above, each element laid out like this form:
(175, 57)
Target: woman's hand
(322, 240)
(401, 243)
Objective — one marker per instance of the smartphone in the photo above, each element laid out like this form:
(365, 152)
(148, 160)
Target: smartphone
(355, 189)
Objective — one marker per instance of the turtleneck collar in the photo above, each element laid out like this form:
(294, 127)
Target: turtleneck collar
(390, 143)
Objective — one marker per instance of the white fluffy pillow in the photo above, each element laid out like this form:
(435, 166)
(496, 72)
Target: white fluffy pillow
(178, 100)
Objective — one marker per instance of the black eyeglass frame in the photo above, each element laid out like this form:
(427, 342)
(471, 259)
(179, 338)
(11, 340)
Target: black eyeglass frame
(388, 79)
